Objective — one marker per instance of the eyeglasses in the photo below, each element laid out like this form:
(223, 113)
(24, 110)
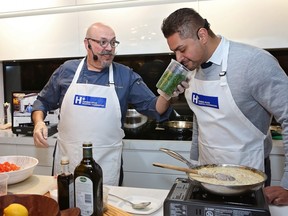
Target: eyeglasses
(104, 43)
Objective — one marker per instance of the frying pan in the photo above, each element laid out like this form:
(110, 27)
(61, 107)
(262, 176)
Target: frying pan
(179, 123)
(178, 126)
(227, 190)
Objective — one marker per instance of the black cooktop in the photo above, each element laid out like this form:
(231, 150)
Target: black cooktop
(152, 130)
(188, 198)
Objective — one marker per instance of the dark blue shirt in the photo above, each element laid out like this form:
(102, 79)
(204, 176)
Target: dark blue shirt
(129, 87)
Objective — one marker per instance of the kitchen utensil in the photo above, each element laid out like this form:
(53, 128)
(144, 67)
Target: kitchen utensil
(178, 126)
(218, 176)
(141, 205)
(134, 119)
(177, 156)
(154, 206)
(27, 165)
(226, 189)
(179, 123)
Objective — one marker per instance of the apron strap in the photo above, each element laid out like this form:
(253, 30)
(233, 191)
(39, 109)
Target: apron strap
(53, 162)
(111, 75)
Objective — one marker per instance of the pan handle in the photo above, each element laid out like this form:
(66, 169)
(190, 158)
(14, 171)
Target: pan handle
(177, 156)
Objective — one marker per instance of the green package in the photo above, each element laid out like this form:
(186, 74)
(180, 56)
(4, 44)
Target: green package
(169, 81)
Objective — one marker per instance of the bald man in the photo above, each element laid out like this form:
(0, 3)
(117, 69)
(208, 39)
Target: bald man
(93, 94)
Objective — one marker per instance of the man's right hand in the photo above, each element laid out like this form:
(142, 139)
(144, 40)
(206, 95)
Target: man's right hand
(40, 135)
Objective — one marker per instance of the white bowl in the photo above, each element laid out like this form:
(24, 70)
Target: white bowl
(26, 164)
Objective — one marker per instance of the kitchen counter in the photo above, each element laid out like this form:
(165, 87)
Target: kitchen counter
(145, 152)
(40, 184)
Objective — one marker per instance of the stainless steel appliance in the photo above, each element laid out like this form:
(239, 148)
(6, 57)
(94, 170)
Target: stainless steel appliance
(153, 130)
(28, 128)
(186, 198)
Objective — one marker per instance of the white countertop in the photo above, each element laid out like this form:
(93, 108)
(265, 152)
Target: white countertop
(161, 195)
(40, 184)
(35, 184)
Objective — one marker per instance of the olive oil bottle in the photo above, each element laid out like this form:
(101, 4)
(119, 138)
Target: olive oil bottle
(65, 183)
(88, 182)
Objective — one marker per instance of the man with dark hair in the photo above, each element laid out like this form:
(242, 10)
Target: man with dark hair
(234, 91)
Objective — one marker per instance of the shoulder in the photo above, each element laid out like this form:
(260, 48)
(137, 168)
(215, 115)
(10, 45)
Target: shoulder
(251, 58)
(246, 51)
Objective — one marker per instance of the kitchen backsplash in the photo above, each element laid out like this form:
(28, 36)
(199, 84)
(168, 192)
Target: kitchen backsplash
(27, 75)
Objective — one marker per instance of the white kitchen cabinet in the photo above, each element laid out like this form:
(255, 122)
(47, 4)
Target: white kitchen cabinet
(20, 5)
(277, 167)
(41, 36)
(138, 157)
(277, 158)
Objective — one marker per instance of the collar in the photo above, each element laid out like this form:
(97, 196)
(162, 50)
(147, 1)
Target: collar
(218, 54)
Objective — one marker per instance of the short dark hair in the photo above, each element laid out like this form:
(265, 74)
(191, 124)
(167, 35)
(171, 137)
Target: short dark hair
(185, 21)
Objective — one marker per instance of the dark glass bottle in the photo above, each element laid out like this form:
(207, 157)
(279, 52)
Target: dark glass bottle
(65, 183)
(88, 183)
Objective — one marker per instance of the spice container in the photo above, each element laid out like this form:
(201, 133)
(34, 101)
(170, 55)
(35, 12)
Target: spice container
(174, 74)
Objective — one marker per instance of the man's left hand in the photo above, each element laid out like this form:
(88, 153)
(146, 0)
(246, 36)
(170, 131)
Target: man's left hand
(180, 88)
(276, 195)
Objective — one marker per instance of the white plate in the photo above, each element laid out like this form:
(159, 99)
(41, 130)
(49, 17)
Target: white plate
(154, 206)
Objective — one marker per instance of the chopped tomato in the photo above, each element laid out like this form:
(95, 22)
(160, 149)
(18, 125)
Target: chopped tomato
(7, 167)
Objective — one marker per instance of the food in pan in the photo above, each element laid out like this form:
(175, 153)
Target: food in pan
(243, 176)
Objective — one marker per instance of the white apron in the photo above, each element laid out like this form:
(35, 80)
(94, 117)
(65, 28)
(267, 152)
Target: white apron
(225, 134)
(91, 113)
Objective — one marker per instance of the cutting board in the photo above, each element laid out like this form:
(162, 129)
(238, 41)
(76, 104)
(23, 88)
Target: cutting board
(35, 184)
(114, 211)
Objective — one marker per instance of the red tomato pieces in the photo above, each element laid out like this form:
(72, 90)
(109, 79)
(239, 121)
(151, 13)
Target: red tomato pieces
(7, 167)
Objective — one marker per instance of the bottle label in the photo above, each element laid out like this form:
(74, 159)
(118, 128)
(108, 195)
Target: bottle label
(84, 195)
(71, 198)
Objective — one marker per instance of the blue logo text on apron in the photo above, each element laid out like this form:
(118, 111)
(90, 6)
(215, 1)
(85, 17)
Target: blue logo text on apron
(203, 100)
(82, 100)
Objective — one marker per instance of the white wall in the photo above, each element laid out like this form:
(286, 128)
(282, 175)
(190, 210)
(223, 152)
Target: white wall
(59, 32)
(258, 22)
(1, 94)
(34, 29)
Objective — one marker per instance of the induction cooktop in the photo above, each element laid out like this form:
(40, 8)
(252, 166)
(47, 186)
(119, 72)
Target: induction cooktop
(187, 198)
